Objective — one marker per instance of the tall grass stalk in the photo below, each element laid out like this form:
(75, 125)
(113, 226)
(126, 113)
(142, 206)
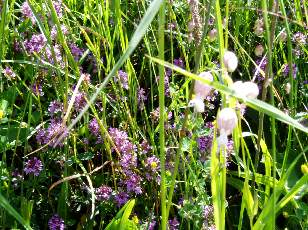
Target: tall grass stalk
(161, 50)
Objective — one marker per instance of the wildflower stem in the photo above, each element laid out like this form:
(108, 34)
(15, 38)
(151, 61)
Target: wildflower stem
(161, 48)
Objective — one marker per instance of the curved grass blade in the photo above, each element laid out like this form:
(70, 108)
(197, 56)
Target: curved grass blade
(6, 205)
(253, 103)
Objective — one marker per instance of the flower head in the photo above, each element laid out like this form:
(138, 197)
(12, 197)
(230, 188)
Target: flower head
(56, 223)
(103, 193)
(34, 166)
(121, 198)
(230, 61)
(226, 120)
(201, 89)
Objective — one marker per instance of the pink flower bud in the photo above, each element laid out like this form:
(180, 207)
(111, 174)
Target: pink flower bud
(230, 61)
(202, 90)
(212, 35)
(226, 121)
(259, 50)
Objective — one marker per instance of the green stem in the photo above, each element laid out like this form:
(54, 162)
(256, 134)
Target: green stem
(161, 49)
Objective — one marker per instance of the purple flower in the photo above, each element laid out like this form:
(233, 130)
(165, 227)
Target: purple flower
(103, 193)
(56, 223)
(27, 12)
(58, 8)
(133, 184)
(208, 212)
(128, 162)
(37, 89)
(261, 63)
(174, 224)
(41, 137)
(121, 141)
(145, 147)
(299, 38)
(286, 70)
(36, 43)
(76, 51)
(141, 98)
(56, 133)
(152, 225)
(94, 127)
(55, 107)
(152, 163)
(121, 198)
(122, 78)
(205, 142)
(54, 32)
(179, 62)
(9, 72)
(80, 101)
(34, 166)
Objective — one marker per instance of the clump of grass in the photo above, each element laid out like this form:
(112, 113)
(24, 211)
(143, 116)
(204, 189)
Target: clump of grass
(149, 115)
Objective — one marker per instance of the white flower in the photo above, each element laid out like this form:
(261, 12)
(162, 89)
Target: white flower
(198, 104)
(230, 61)
(246, 89)
(202, 90)
(226, 121)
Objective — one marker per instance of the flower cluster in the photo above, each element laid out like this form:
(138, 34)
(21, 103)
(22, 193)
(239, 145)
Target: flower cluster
(34, 166)
(54, 135)
(103, 193)
(56, 223)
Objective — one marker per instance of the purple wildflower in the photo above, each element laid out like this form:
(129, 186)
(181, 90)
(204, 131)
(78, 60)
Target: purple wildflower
(121, 198)
(299, 38)
(36, 43)
(121, 141)
(179, 62)
(141, 98)
(261, 63)
(37, 89)
(55, 107)
(34, 166)
(286, 70)
(41, 137)
(103, 193)
(205, 142)
(94, 127)
(76, 51)
(208, 212)
(56, 133)
(133, 184)
(152, 163)
(80, 101)
(145, 147)
(174, 224)
(56, 223)
(9, 72)
(122, 78)
(128, 162)
(152, 225)
(54, 32)
(58, 8)
(27, 12)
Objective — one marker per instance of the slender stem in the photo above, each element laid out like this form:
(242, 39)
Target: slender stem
(161, 49)
(199, 51)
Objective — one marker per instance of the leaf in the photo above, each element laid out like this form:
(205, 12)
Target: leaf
(6, 205)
